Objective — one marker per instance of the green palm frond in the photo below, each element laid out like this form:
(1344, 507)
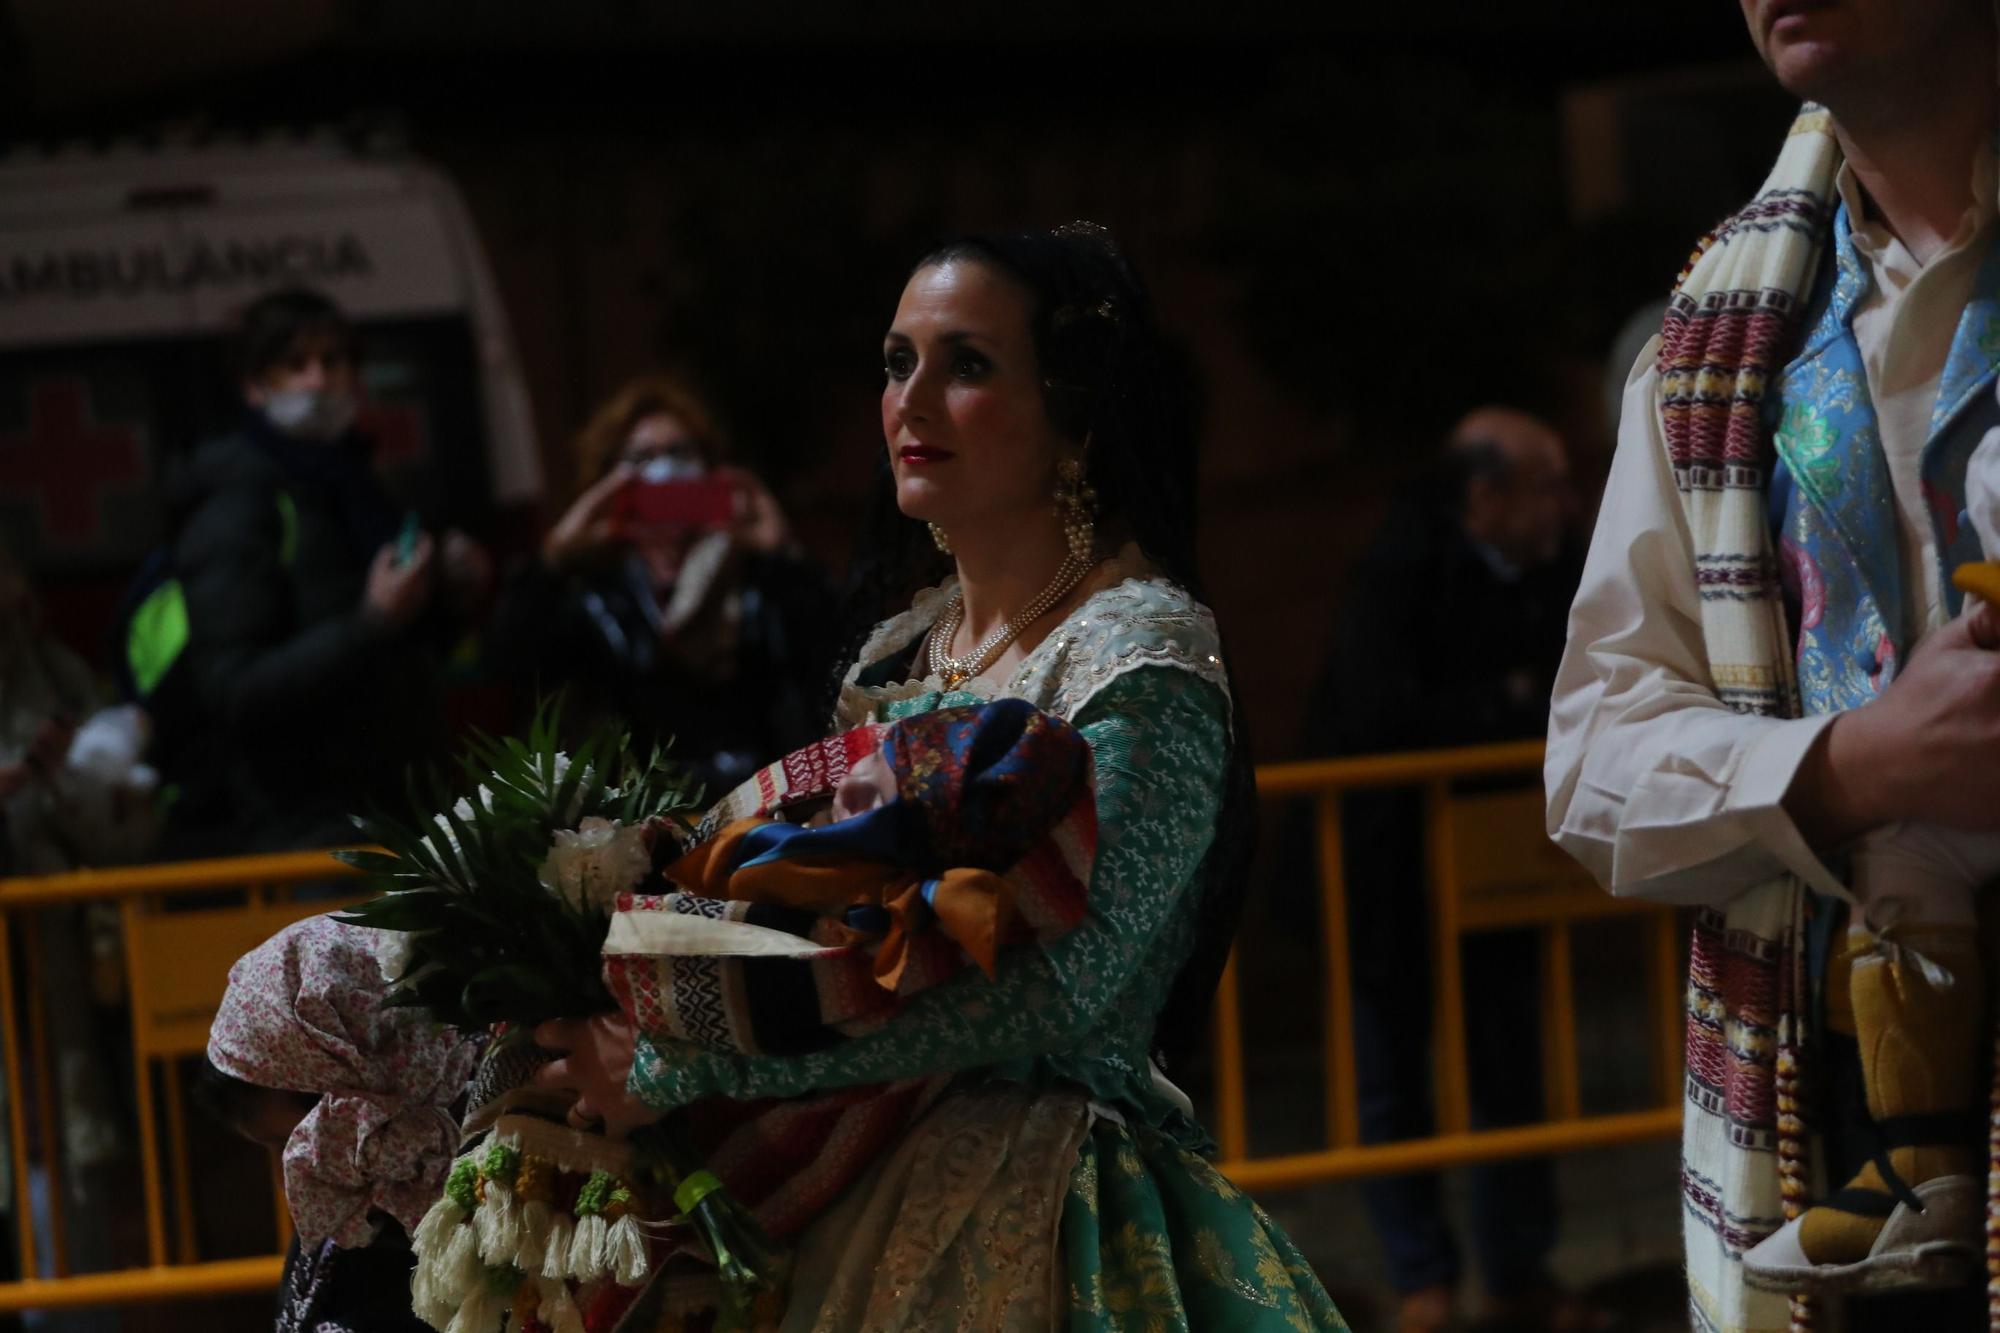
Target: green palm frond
(460, 870)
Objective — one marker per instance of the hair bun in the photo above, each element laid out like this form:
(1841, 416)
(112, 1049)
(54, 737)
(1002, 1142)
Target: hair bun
(1089, 231)
(1104, 312)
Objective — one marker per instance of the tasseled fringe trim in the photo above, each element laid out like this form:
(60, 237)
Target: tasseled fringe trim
(1993, 1193)
(485, 1311)
(1794, 1145)
(558, 1309)
(589, 1251)
(498, 1222)
(626, 1252)
(536, 1222)
(434, 1229)
(498, 1217)
(433, 1295)
(501, 1238)
(459, 1268)
(555, 1263)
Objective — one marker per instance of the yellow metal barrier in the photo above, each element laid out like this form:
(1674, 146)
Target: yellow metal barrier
(176, 965)
(1490, 867)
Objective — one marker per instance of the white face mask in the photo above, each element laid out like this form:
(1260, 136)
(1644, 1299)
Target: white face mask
(310, 414)
(659, 471)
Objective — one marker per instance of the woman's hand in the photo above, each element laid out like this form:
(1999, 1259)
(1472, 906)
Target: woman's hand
(14, 779)
(468, 571)
(587, 526)
(759, 525)
(46, 753)
(595, 1059)
(49, 750)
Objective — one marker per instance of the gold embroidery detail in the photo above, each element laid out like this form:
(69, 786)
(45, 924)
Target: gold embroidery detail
(1127, 1160)
(1276, 1276)
(1083, 1180)
(970, 1208)
(1218, 1265)
(1139, 1288)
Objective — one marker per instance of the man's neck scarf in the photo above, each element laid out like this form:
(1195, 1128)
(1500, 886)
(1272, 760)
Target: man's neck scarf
(1733, 321)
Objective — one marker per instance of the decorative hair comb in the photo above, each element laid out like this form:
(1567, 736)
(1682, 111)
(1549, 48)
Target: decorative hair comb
(1086, 230)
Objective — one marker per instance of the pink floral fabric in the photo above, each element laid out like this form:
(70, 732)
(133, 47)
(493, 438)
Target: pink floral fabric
(304, 1012)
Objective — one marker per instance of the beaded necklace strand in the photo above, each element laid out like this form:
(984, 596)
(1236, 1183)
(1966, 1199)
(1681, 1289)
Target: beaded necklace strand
(955, 671)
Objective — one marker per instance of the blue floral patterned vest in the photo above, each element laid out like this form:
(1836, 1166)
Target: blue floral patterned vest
(1831, 499)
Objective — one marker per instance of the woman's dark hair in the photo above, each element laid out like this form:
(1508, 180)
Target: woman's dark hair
(273, 323)
(1109, 376)
(232, 1101)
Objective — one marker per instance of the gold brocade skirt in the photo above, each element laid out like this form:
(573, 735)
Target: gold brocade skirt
(1008, 1210)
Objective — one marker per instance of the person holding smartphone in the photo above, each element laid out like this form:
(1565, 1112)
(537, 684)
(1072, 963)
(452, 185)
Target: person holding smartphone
(670, 593)
(317, 614)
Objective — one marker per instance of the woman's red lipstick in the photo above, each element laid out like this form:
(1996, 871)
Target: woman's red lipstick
(923, 453)
(1783, 13)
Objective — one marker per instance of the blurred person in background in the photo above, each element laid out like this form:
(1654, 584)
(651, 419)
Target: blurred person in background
(671, 595)
(74, 790)
(316, 615)
(74, 793)
(1449, 634)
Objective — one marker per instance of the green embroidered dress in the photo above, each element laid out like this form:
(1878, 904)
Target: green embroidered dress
(1059, 1182)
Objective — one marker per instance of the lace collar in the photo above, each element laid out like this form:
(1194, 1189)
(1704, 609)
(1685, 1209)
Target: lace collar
(1140, 619)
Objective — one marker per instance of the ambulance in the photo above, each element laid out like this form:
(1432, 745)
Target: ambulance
(121, 272)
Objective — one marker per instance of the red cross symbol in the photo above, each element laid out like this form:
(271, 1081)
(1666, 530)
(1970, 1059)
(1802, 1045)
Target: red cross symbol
(66, 461)
(400, 431)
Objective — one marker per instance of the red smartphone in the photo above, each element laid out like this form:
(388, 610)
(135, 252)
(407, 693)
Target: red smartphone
(698, 502)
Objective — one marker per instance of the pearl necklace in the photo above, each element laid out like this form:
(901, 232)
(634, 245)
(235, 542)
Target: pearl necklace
(955, 671)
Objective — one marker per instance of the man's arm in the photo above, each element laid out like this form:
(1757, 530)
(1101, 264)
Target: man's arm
(1653, 783)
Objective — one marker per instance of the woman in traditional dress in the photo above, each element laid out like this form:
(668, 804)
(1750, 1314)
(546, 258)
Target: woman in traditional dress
(1038, 436)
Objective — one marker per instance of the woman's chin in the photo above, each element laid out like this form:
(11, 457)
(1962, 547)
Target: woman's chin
(920, 499)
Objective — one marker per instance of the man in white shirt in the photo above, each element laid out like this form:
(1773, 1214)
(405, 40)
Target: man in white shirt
(1654, 783)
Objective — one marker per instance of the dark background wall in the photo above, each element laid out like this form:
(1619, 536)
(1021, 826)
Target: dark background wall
(1361, 223)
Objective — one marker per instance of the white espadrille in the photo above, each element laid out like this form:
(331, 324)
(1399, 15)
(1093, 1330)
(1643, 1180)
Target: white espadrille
(1937, 1246)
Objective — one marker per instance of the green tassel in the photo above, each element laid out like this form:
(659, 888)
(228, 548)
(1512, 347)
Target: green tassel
(462, 1185)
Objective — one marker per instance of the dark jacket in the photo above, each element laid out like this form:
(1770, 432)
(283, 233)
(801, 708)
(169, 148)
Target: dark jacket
(1432, 648)
(737, 688)
(367, 1290)
(312, 708)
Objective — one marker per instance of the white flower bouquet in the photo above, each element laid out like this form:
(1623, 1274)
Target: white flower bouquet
(494, 912)
(503, 899)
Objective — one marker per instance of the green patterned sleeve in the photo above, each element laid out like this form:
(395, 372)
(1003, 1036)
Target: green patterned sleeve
(1158, 738)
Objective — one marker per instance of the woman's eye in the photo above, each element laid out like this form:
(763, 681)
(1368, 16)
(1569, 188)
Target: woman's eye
(969, 365)
(898, 365)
